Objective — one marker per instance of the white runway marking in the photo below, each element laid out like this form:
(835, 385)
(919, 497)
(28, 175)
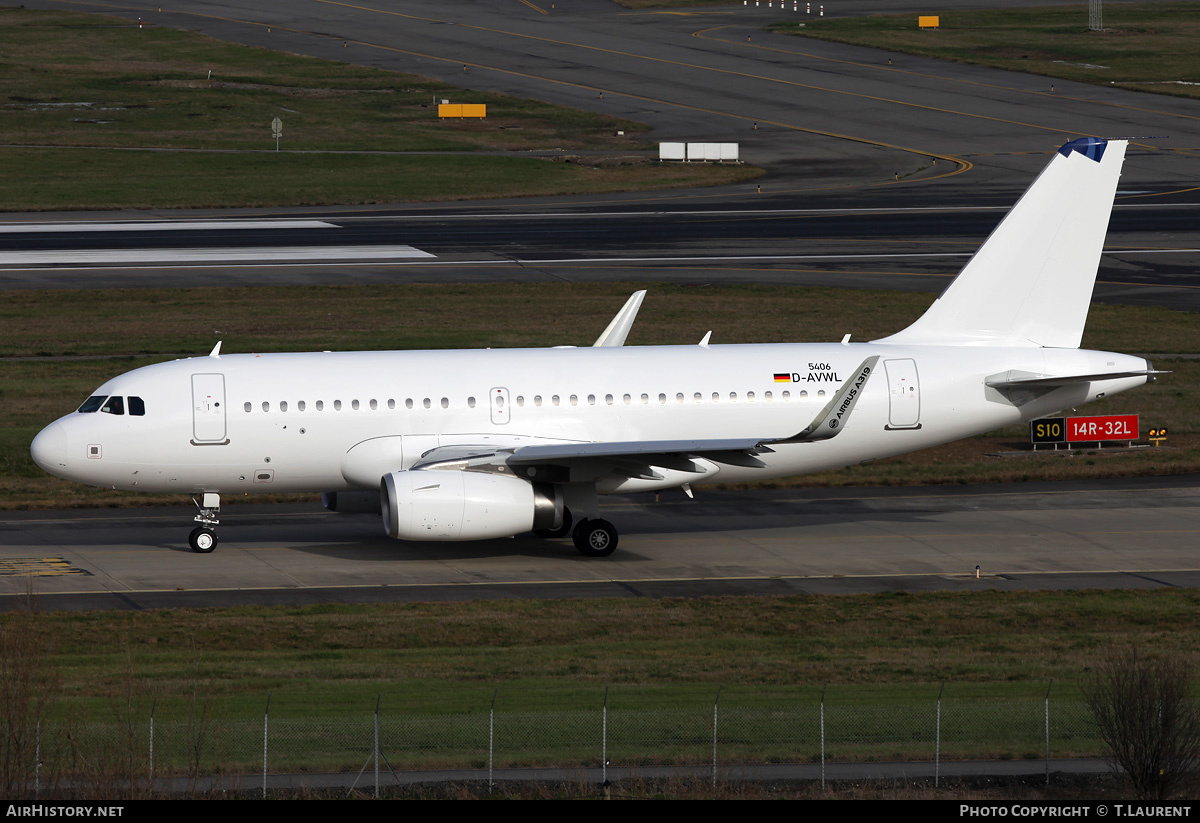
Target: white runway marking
(223, 255)
(296, 258)
(134, 225)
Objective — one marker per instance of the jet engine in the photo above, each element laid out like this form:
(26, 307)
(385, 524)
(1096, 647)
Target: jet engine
(462, 505)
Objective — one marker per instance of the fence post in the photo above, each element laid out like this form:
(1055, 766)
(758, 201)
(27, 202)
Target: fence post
(266, 717)
(153, 708)
(1048, 687)
(937, 745)
(823, 688)
(377, 698)
(491, 736)
(604, 739)
(714, 759)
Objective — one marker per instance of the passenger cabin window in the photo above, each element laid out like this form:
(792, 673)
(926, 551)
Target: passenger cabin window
(93, 403)
(114, 405)
(137, 406)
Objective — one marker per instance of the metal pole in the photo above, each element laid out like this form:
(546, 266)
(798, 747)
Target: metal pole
(937, 746)
(823, 688)
(37, 758)
(1048, 687)
(153, 707)
(266, 717)
(604, 739)
(377, 698)
(491, 736)
(714, 757)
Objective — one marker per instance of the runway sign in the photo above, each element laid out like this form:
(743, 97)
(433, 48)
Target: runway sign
(1084, 429)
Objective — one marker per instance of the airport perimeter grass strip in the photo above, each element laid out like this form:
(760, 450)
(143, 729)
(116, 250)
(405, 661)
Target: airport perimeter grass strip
(101, 114)
(1001, 663)
(880, 649)
(127, 328)
(1142, 46)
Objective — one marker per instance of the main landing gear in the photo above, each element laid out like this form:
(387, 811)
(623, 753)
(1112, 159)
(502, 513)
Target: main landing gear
(592, 538)
(203, 538)
(595, 538)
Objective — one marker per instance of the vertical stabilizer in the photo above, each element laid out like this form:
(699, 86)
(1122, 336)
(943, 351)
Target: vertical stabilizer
(1030, 283)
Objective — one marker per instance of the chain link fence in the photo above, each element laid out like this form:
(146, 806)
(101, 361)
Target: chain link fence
(282, 735)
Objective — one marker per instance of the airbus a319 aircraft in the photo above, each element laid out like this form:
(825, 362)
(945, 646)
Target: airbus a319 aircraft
(470, 445)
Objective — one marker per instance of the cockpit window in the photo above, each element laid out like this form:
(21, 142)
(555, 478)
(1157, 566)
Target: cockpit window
(114, 405)
(92, 404)
(137, 406)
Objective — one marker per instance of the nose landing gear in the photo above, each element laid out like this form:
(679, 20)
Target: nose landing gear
(203, 538)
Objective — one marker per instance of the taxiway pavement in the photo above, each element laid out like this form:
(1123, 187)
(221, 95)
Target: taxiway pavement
(1134, 533)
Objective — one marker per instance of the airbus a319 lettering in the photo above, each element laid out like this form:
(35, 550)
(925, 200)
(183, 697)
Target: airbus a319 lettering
(471, 445)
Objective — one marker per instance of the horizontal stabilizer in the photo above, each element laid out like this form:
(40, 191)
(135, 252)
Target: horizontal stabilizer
(1011, 380)
(1030, 283)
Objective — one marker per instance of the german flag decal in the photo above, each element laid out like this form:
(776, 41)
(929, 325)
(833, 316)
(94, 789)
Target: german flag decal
(781, 377)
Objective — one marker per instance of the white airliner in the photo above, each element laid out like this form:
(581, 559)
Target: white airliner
(470, 445)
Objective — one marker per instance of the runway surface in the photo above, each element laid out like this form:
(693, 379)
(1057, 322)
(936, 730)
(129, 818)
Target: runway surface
(833, 125)
(1110, 534)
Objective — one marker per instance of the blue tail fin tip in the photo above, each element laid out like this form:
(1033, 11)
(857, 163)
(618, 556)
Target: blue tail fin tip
(1090, 147)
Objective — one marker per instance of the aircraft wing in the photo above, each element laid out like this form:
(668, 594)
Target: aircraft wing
(674, 454)
(639, 458)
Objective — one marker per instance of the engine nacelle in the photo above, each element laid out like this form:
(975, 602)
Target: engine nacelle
(351, 502)
(459, 505)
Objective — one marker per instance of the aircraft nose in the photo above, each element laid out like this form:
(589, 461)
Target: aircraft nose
(49, 448)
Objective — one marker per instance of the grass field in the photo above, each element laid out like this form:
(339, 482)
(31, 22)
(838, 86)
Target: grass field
(434, 670)
(130, 328)
(1144, 46)
(100, 114)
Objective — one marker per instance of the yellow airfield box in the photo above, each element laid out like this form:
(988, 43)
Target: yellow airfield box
(462, 110)
(926, 21)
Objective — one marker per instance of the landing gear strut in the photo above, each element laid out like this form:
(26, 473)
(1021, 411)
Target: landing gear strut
(203, 538)
(595, 538)
(562, 531)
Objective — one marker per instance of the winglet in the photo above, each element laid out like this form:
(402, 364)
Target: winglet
(216, 352)
(832, 419)
(619, 328)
